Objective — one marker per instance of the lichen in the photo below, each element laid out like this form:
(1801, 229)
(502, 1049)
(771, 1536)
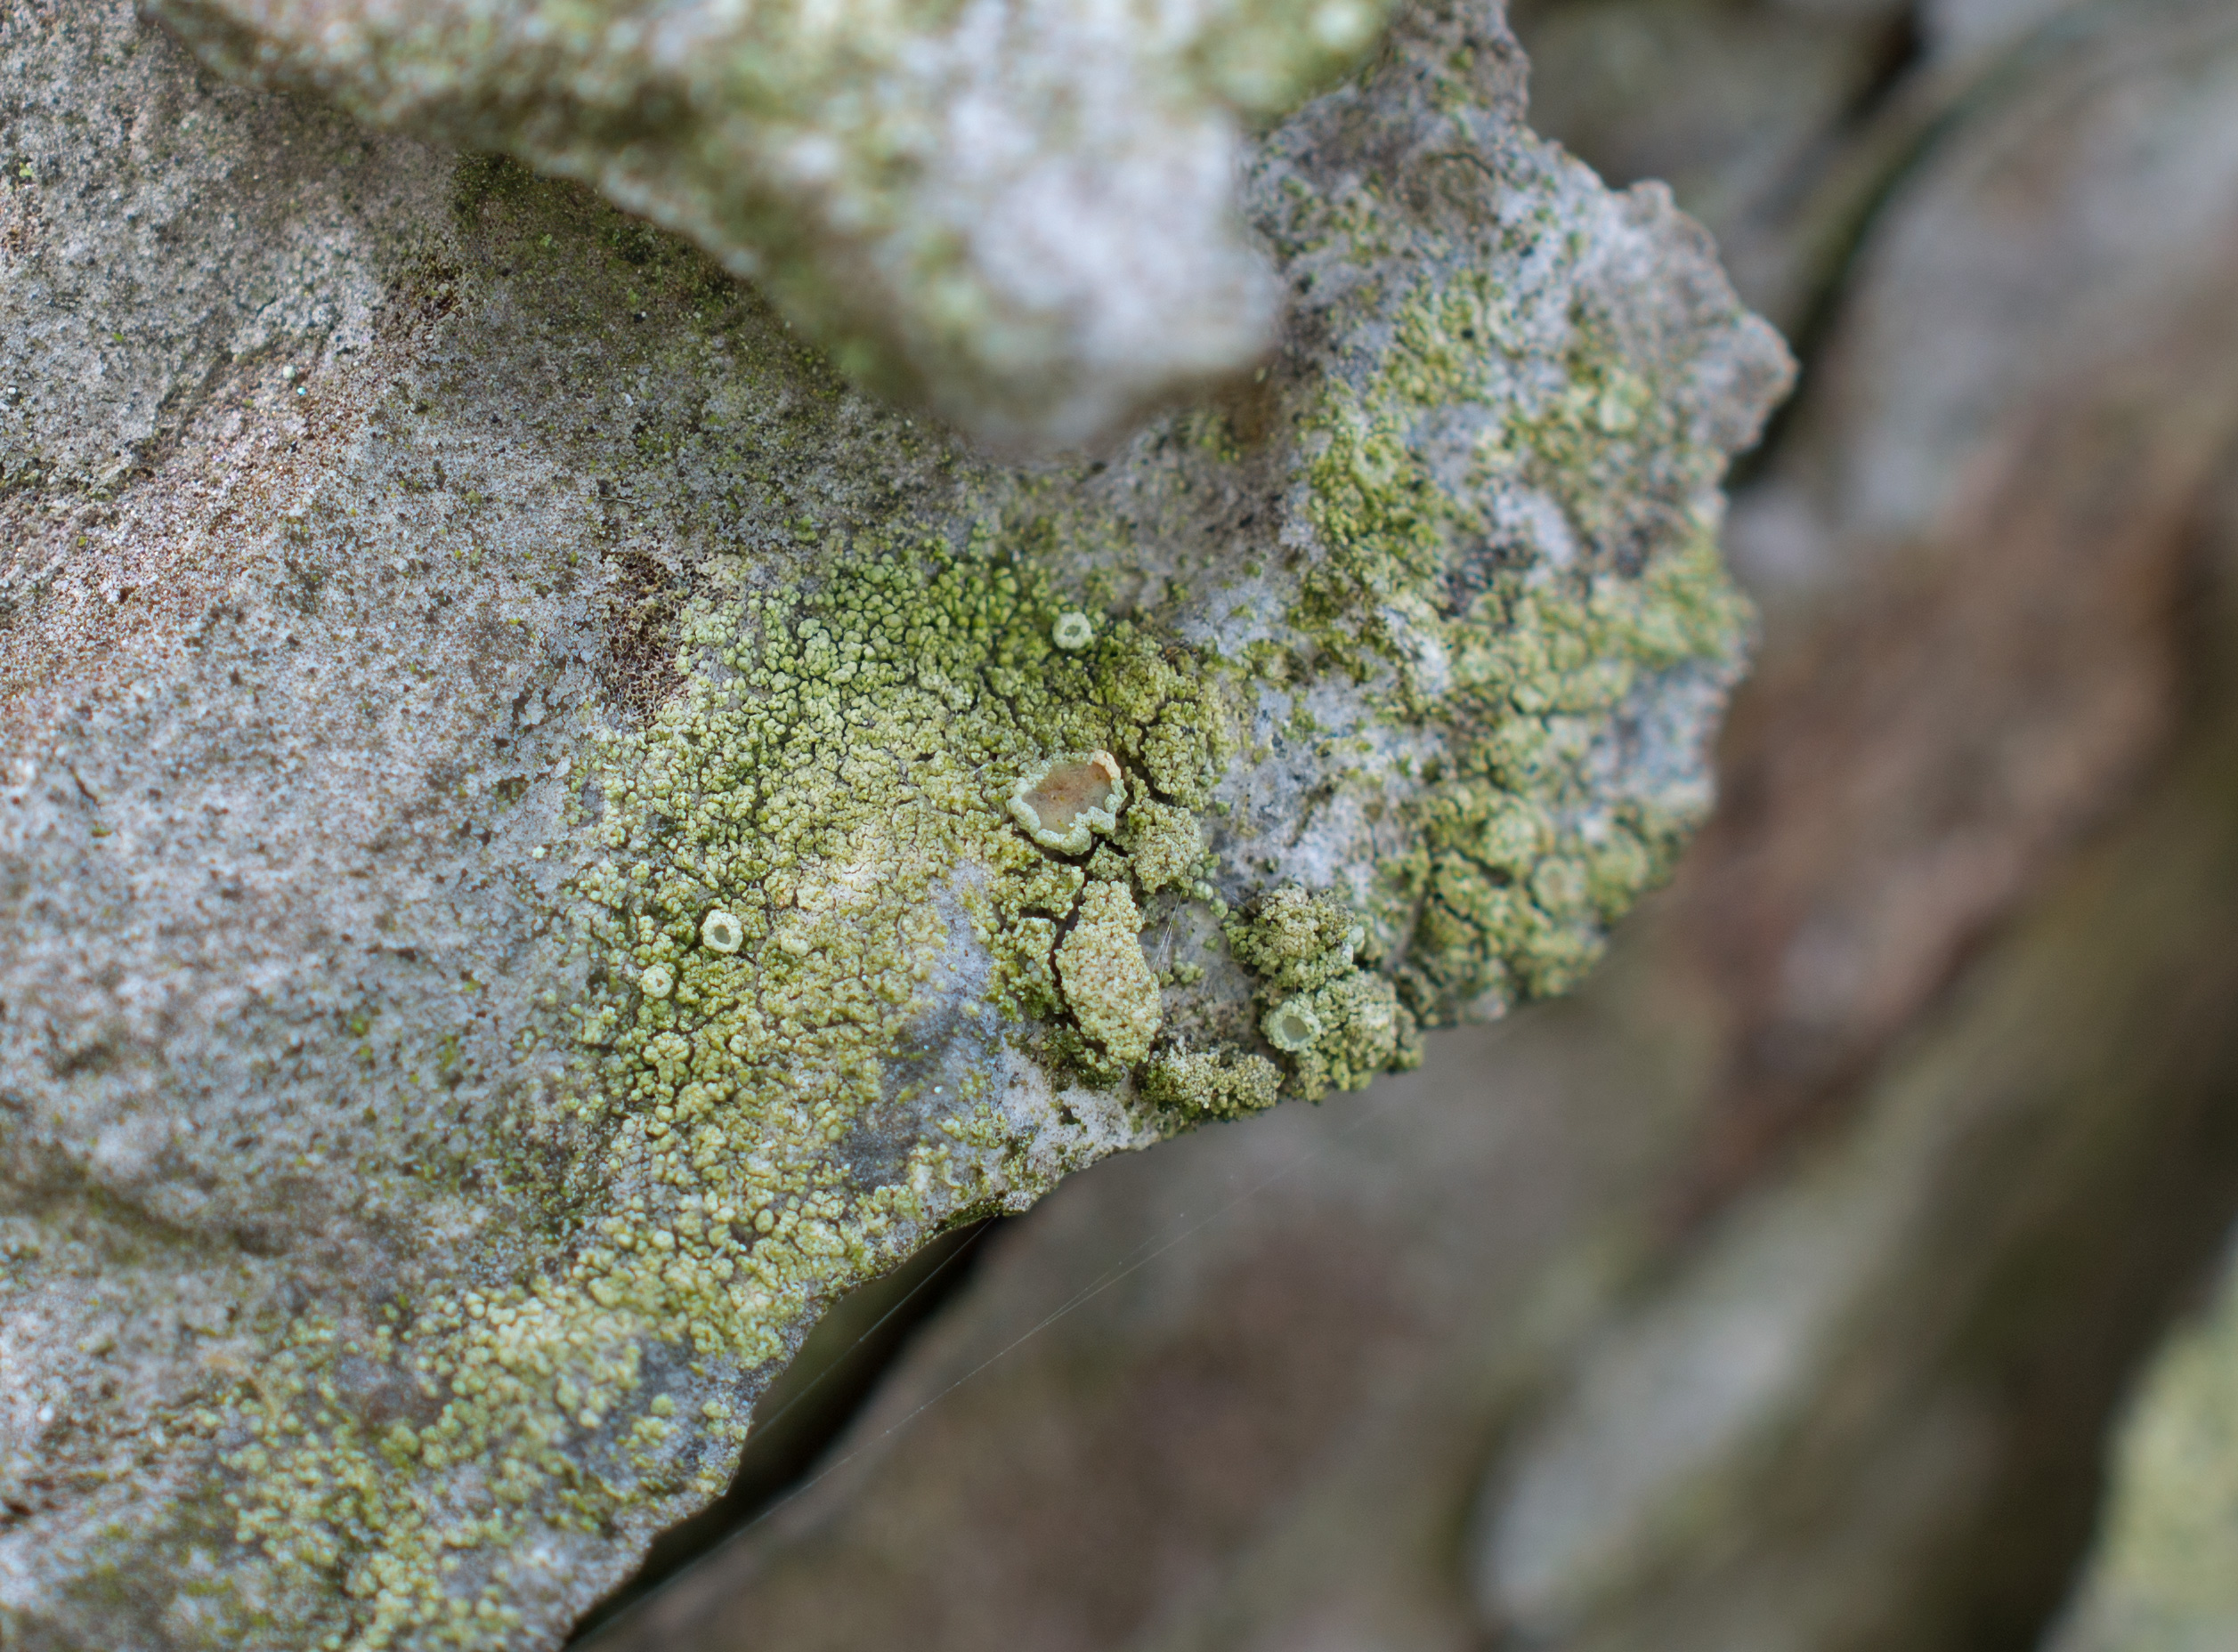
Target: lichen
(721, 932)
(1523, 634)
(1165, 844)
(1338, 1024)
(1293, 1026)
(836, 887)
(1212, 1084)
(1296, 939)
(1062, 803)
(2164, 1577)
(1107, 981)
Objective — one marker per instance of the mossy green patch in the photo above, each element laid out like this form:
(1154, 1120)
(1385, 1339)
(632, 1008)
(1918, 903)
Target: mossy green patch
(1212, 1084)
(816, 922)
(1165, 844)
(1107, 983)
(2165, 1576)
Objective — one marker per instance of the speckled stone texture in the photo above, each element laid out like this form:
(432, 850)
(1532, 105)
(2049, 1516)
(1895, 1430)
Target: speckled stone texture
(429, 597)
(1020, 213)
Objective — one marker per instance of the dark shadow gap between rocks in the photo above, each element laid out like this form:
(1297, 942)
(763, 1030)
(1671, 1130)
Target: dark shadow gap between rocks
(807, 1407)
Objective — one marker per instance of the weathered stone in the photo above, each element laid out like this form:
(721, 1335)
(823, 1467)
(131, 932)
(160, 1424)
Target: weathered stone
(511, 899)
(1022, 215)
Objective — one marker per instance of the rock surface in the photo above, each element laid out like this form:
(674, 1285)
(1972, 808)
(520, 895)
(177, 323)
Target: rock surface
(508, 896)
(1772, 1291)
(1021, 214)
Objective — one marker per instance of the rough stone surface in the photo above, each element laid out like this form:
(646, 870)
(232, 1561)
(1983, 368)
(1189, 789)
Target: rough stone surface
(507, 900)
(1021, 214)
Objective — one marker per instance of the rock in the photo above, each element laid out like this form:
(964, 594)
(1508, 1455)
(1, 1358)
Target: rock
(1773, 1289)
(508, 903)
(2164, 1577)
(1020, 216)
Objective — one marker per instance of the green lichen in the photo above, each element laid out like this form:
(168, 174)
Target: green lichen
(1165, 844)
(721, 932)
(1063, 803)
(1522, 868)
(1296, 939)
(1339, 1023)
(2165, 1576)
(1212, 1084)
(1107, 981)
(1294, 1024)
(865, 855)
(819, 922)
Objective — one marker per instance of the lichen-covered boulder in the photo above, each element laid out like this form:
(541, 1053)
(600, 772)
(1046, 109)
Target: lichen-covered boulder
(545, 837)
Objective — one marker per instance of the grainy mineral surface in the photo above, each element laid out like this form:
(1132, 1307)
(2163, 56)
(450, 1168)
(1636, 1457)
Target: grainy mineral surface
(509, 895)
(1019, 212)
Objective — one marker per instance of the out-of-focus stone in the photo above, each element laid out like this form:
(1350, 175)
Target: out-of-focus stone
(2165, 1576)
(1740, 106)
(1020, 214)
(510, 905)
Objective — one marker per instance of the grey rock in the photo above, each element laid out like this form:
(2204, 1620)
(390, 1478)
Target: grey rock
(1021, 215)
(1772, 1290)
(507, 901)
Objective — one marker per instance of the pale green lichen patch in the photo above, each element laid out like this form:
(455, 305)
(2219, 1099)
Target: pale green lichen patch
(1523, 866)
(1107, 983)
(1062, 803)
(2165, 1574)
(1340, 1024)
(893, 837)
(1364, 1030)
(1529, 635)
(1165, 844)
(1295, 938)
(915, 867)
(1292, 1026)
(820, 926)
(1212, 1084)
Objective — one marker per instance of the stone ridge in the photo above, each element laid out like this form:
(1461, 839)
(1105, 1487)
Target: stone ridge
(1020, 216)
(511, 898)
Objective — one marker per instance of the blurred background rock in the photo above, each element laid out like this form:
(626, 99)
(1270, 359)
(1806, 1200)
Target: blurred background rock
(1783, 1289)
